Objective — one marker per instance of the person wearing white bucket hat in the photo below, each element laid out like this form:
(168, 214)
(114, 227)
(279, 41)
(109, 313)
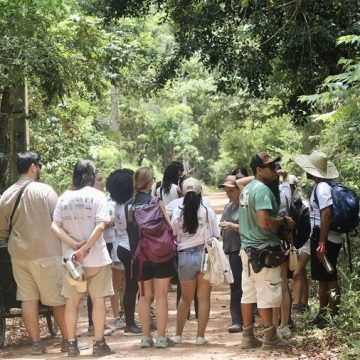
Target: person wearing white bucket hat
(319, 169)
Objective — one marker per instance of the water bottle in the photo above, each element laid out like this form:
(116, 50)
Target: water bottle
(205, 262)
(74, 272)
(327, 265)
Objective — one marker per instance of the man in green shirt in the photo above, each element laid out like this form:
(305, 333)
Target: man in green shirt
(259, 222)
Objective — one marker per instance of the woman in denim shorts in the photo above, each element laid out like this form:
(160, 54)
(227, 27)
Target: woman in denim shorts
(189, 225)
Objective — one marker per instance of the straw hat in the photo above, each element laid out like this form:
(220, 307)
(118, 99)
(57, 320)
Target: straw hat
(317, 165)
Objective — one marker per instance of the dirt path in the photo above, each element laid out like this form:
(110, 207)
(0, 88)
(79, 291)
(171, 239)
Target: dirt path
(222, 345)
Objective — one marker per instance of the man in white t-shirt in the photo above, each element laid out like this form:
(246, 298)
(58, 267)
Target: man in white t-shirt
(322, 239)
(80, 218)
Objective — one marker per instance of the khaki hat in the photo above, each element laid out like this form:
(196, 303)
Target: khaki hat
(191, 184)
(230, 181)
(293, 180)
(317, 164)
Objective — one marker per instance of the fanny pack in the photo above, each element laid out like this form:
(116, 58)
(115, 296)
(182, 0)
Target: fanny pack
(269, 256)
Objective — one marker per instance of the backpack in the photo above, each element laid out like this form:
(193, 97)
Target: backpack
(345, 208)
(344, 211)
(156, 239)
(300, 213)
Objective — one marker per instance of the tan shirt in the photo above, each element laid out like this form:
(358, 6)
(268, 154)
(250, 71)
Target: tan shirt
(31, 235)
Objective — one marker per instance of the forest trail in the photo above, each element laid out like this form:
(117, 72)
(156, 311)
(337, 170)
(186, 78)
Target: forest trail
(222, 345)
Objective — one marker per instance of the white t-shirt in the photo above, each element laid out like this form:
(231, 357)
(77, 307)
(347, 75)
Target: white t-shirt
(285, 198)
(122, 238)
(79, 211)
(323, 192)
(167, 198)
(179, 202)
(109, 233)
(186, 240)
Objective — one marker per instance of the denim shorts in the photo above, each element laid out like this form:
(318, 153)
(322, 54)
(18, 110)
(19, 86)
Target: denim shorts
(189, 262)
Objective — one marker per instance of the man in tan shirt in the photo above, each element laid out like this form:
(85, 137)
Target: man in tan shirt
(35, 251)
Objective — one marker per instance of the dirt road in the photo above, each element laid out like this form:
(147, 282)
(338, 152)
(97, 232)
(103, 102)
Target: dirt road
(222, 345)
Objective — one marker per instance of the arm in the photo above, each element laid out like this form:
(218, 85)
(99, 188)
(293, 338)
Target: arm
(58, 230)
(94, 237)
(227, 225)
(266, 221)
(162, 207)
(325, 220)
(241, 183)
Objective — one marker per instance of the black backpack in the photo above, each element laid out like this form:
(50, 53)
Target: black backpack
(300, 213)
(344, 211)
(345, 208)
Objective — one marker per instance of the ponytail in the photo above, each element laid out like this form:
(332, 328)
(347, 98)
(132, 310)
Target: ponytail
(189, 212)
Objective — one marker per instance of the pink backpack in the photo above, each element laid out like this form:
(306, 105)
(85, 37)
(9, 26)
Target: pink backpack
(156, 239)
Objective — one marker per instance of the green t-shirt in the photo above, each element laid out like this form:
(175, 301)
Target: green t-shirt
(256, 196)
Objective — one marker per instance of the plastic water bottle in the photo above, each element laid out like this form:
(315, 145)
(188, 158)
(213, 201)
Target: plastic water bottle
(205, 263)
(327, 265)
(74, 272)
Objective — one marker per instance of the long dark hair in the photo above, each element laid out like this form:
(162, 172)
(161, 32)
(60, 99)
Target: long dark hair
(84, 174)
(171, 175)
(189, 212)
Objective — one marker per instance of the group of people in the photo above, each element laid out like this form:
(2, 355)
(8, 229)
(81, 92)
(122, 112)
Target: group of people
(102, 238)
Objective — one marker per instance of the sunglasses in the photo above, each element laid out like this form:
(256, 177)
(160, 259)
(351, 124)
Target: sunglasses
(39, 166)
(271, 166)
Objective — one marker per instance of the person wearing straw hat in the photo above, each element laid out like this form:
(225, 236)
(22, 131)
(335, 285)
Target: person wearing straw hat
(322, 240)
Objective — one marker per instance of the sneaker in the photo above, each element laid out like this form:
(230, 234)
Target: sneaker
(101, 348)
(163, 342)
(108, 330)
(118, 323)
(146, 342)
(38, 348)
(320, 321)
(297, 309)
(284, 332)
(235, 328)
(200, 341)
(73, 349)
(132, 330)
(177, 339)
(82, 345)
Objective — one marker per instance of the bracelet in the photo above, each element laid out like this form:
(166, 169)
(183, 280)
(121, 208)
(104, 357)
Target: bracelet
(321, 247)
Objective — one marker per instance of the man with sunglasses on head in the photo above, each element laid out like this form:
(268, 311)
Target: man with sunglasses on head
(35, 251)
(259, 223)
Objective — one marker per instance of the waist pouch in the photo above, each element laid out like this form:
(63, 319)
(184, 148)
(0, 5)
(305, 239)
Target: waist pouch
(269, 256)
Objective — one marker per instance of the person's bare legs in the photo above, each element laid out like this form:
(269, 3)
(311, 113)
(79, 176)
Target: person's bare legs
(98, 315)
(59, 316)
(117, 283)
(299, 278)
(30, 316)
(266, 316)
(285, 306)
(144, 306)
(188, 289)
(203, 295)
(161, 304)
(71, 316)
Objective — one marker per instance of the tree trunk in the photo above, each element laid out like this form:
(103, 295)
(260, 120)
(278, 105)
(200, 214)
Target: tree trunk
(14, 131)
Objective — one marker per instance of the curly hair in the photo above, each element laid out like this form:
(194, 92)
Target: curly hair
(120, 185)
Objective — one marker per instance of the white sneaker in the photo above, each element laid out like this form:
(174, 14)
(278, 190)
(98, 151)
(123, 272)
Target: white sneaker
(201, 341)
(284, 332)
(108, 330)
(118, 323)
(177, 339)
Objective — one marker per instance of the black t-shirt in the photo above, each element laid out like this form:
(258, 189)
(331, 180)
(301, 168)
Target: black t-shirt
(132, 229)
